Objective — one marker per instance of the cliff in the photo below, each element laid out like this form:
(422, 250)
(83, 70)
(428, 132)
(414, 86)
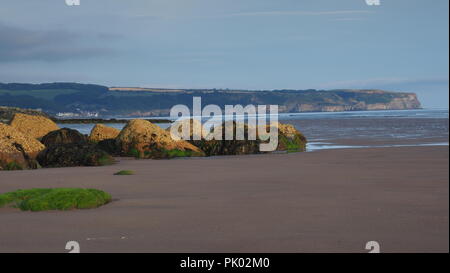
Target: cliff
(88, 99)
(358, 100)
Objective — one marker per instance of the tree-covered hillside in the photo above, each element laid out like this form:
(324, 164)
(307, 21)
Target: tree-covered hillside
(79, 98)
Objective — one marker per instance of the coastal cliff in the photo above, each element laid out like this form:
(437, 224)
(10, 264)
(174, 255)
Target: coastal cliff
(88, 100)
(397, 101)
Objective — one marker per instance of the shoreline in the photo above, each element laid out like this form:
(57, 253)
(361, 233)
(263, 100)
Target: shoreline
(5, 117)
(103, 121)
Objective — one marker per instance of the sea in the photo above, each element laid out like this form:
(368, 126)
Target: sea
(355, 129)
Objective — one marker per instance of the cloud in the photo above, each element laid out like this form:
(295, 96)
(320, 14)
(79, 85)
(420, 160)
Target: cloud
(18, 44)
(298, 13)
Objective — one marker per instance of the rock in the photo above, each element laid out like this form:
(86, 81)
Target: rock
(73, 154)
(228, 147)
(64, 136)
(109, 146)
(7, 113)
(143, 139)
(290, 139)
(33, 126)
(195, 126)
(101, 132)
(17, 151)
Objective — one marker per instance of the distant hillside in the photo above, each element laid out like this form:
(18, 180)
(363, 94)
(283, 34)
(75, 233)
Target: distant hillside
(85, 99)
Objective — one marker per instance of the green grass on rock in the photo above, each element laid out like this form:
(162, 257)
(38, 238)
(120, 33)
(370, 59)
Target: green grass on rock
(54, 199)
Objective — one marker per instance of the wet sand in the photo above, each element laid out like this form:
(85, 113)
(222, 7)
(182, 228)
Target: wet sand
(323, 201)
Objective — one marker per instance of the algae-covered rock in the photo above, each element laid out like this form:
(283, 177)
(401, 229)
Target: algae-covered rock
(17, 151)
(7, 113)
(70, 155)
(143, 139)
(110, 146)
(101, 132)
(221, 146)
(289, 139)
(196, 129)
(63, 136)
(33, 126)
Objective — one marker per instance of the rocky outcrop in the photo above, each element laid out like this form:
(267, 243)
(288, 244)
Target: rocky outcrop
(289, 139)
(143, 139)
(71, 155)
(110, 146)
(196, 129)
(221, 146)
(63, 136)
(33, 126)
(7, 113)
(101, 132)
(17, 151)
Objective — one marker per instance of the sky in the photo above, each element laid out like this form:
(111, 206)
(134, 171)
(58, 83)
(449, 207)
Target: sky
(399, 45)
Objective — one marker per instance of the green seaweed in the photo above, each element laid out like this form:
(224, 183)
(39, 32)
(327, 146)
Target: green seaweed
(13, 166)
(135, 153)
(54, 199)
(124, 172)
(292, 145)
(178, 153)
(105, 160)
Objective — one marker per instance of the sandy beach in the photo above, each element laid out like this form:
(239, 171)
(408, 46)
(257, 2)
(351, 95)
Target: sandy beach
(322, 201)
(199, 128)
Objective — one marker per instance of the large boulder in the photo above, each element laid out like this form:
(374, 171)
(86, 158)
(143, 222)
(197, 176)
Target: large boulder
(33, 126)
(71, 155)
(101, 132)
(222, 146)
(110, 146)
(17, 151)
(7, 113)
(143, 139)
(64, 136)
(196, 129)
(289, 139)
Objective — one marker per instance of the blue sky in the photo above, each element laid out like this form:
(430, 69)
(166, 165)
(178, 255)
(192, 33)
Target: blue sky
(401, 45)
